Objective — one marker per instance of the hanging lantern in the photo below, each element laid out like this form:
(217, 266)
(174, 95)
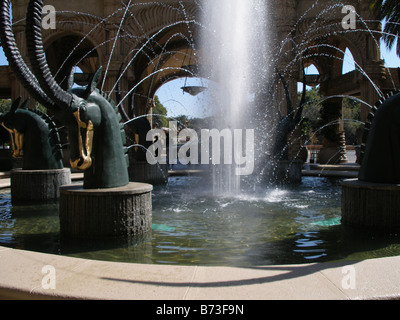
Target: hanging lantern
(194, 90)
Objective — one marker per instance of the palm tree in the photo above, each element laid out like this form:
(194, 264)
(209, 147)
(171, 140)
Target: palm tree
(389, 10)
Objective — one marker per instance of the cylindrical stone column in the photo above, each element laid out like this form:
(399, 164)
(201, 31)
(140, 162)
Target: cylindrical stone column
(371, 205)
(35, 186)
(105, 213)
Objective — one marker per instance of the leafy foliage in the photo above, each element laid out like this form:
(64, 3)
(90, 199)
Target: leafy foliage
(312, 120)
(389, 10)
(159, 121)
(5, 105)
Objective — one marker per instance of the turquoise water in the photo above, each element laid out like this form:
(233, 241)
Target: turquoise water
(288, 225)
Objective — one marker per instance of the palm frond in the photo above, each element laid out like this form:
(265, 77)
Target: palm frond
(389, 10)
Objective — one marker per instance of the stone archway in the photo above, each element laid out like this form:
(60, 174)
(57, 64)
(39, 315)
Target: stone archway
(320, 39)
(328, 54)
(65, 50)
(162, 55)
(166, 34)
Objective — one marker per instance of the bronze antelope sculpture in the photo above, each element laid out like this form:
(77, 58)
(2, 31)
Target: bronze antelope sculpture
(34, 137)
(95, 133)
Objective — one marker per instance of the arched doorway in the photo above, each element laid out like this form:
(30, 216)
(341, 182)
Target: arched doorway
(65, 51)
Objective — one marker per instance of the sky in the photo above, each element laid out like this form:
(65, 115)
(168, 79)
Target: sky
(179, 103)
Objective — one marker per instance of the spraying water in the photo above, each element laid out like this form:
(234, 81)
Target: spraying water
(235, 58)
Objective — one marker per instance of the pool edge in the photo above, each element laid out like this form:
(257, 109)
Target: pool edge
(27, 275)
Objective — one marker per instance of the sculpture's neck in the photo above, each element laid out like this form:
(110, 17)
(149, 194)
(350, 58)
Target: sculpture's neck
(40, 144)
(109, 168)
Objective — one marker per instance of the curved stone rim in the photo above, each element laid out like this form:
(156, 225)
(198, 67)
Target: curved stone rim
(131, 188)
(87, 279)
(355, 183)
(47, 171)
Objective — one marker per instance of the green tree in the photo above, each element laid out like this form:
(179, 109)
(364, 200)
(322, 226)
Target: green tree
(389, 10)
(351, 116)
(5, 105)
(311, 113)
(183, 121)
(312, 120)
(159, 121)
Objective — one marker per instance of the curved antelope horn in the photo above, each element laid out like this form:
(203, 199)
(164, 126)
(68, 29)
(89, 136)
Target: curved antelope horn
(17, 64)
(25, 104)
(15, 105)
(38, 58)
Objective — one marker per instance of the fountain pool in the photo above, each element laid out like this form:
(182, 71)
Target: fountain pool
(298, 224)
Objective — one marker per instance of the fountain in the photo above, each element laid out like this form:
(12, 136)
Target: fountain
(238, 63)
(247, 96)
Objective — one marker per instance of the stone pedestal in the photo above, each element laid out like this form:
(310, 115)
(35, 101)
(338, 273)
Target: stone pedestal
(35, 186)
(331, 155)
(372, 205)
(141, 171)
(105, 213)
(289, 171)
